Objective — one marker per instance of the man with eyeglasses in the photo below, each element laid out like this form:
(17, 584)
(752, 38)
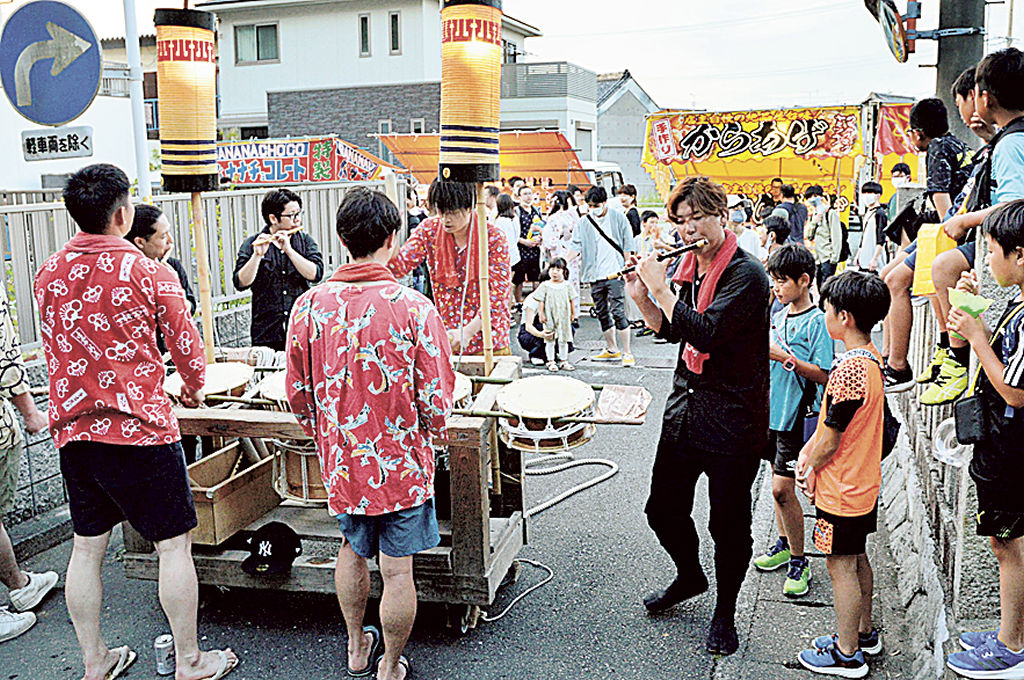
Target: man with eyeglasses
(279, 264)
(716, 419)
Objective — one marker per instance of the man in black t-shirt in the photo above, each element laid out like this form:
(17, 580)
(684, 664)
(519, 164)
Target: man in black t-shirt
(797, 213)
(949, 159)
(627, 196)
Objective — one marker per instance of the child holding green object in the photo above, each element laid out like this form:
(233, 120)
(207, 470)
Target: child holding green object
(975, 305)
(998, 466)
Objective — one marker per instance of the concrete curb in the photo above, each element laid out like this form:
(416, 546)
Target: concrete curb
(41, 533)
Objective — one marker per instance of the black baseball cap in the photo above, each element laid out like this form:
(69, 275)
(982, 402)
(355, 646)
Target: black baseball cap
(272, 549)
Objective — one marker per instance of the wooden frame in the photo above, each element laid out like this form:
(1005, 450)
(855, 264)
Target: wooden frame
(478, 545)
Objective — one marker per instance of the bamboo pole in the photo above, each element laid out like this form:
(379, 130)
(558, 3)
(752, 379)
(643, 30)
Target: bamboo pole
(205, 301)
(484, 275)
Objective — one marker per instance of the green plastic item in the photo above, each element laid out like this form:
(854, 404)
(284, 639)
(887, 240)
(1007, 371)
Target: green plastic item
(975, 305)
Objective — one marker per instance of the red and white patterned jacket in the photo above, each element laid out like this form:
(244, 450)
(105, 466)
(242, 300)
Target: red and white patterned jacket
(101, 301)
(370, 379)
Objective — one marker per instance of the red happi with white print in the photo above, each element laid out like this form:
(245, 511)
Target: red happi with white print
(101, 301)
(370, 379)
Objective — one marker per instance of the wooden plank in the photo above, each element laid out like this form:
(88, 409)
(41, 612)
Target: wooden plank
(239, 423)
(313, 575)
(505, 553)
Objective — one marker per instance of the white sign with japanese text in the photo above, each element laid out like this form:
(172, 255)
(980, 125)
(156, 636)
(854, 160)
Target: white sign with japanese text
(65, 142)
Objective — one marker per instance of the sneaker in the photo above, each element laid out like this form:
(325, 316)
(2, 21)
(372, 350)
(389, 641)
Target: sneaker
(830, 661)
(536, 361)
(628, 360)
(870, 643)
(898, 380)
(644, 332)
(606, 355)
(972, 639)
(722, 638)
(775, 557)
(12, 625)
(991, 660)
(951, 383)
(32, 594)
(931, 371)
(798, 579)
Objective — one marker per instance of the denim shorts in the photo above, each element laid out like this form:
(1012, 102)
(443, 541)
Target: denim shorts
(968, 250)
(146, 485)
(396, 534)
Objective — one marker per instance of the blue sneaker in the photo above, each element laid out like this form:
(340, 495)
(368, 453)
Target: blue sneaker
(870, 643)
(991, 660)
(972, 639)
(830, 661)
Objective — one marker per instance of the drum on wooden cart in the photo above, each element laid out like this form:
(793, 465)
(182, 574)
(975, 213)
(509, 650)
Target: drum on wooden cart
(546, 414)
(222, 378)
(297, 475)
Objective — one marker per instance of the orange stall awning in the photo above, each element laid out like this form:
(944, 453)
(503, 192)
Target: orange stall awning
(541, 156)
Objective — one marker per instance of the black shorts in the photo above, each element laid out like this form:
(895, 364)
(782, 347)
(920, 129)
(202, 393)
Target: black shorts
(146, 485)
(1000, 511)
(835, 535)
(785, 449)
(525, 270)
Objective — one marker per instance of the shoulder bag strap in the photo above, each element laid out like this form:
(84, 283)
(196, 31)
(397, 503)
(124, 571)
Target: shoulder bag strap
(606, 237)
(995, 334)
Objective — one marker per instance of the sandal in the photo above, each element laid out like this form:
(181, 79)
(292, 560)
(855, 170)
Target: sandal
(225, 666)
(404, 663)
(375, 654)
(126, 657)
(566, 366)
(553, 367)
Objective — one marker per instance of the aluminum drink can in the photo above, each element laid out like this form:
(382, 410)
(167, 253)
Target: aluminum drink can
(163, 646)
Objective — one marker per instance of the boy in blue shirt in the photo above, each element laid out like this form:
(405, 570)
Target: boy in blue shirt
(998, 466)
(801, 352)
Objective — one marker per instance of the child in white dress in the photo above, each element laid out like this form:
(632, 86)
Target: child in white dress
(556, 311)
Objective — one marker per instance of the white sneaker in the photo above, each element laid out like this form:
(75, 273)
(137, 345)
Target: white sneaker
(12, 625)
(38, 586)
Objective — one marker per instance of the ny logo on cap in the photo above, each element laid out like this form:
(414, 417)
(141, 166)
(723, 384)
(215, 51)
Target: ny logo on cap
(266, 549)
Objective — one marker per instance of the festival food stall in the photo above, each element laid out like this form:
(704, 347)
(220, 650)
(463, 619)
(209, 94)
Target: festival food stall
(744, 150)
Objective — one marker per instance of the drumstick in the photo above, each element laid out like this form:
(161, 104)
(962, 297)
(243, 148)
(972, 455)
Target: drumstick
(664, 256)
(239, 400)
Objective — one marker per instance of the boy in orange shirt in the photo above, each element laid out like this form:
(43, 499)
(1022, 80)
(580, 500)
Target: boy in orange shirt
(839, 469)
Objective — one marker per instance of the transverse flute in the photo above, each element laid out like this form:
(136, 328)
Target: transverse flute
(697, 245)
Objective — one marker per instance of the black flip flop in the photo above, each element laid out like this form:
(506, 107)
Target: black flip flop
(375, 654)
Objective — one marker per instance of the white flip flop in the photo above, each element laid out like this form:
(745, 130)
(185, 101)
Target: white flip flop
(126, 657)
(225, 666)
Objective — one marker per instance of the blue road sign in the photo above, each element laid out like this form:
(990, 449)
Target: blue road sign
(50, 62)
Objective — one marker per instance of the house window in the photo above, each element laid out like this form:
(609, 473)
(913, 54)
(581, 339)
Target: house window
(395, 28)
(255, 43)
(364, 35)
(509, 52)
(416, 126)
(384, 128)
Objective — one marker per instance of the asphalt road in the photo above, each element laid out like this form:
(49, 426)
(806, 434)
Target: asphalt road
(586, 623)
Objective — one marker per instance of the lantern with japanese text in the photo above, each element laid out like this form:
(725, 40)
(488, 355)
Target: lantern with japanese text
(470, 90)
(187, 91)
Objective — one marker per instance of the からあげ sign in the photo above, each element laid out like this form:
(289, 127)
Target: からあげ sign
(746, 135)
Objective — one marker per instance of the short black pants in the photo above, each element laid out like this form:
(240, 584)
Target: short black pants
(526, 270)
(836, 535)
(146, 485)
(785, 449)
(1000, 509)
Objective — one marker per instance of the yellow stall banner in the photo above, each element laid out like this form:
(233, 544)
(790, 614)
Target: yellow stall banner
(744, 150)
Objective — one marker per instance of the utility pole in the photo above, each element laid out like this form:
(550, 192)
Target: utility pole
(956, 53)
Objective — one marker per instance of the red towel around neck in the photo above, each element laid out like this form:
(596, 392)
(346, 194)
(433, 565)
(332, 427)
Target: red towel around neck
(687, 272)
(444, 271)
(362, 271)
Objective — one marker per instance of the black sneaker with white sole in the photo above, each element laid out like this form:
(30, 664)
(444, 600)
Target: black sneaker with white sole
(898, 380)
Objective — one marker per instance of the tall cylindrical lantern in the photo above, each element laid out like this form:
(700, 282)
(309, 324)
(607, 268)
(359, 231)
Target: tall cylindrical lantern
(187, 91)
(470, 90)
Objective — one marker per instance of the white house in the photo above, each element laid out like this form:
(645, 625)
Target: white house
(622, 107)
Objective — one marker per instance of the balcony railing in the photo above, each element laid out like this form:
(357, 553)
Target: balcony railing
(547, 79)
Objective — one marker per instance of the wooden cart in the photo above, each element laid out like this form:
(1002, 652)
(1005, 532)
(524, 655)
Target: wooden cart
(481, 535)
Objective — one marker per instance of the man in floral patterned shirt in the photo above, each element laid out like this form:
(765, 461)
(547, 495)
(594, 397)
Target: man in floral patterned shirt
(120, 447)
(448, 244)
(370, 379)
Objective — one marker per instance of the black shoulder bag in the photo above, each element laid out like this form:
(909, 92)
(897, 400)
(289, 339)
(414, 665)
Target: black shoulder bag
(969, 412)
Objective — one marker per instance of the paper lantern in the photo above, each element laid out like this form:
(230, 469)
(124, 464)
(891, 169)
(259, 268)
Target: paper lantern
(470, 90)
(187, 91)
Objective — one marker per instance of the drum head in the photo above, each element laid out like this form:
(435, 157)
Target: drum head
(221, 378)
(545, 396)
(272, 387)
(463, 388)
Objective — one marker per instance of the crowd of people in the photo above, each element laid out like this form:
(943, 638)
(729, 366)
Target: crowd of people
(776, 362)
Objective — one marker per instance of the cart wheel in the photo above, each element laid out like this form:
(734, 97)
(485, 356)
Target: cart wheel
(470, 617)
